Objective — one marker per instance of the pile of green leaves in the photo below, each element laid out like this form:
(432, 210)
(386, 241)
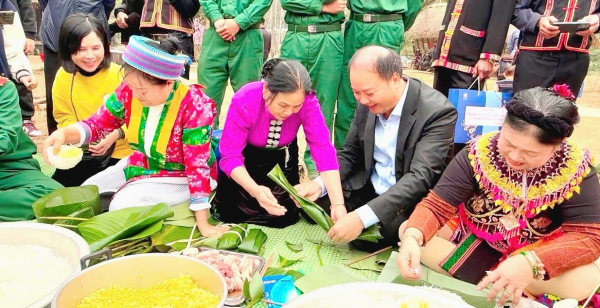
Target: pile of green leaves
(135, 230)
(315, 212)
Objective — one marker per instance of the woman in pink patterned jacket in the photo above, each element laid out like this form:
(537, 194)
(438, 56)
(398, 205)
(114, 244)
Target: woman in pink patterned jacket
(169, 127)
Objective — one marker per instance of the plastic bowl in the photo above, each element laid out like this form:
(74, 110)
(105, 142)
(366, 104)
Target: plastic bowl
(373, 293)
(65, 243)
(63, 163)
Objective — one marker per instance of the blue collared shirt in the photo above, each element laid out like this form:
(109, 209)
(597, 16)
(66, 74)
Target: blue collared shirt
(384, 154)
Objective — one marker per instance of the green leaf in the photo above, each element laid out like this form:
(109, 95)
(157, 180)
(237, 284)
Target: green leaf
(366, 264)
(325, 276)
(186, 222)
(371, 234)
(170, 233)
(246, 290)
(383, 257)
(283, 262)
(181, 211)
(233, 237)
(87, 212)
(256, 289)
(340, 247)
(313, 210)
(279, 271)
(106, 228)
(66, 201)
(147, 232)
(253, 242)
(316, 212)
(294, 247)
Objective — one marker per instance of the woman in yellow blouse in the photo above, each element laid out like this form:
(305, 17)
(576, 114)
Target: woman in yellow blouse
(87, 77)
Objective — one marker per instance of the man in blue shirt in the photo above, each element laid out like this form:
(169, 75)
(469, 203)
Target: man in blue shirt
(395, 150)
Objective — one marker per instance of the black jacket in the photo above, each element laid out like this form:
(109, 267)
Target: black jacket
(528, 13)
(472, 30)
(130, 6)
(27, 17)
(425, 135)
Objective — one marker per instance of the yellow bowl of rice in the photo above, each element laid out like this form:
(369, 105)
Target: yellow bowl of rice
(149, 280)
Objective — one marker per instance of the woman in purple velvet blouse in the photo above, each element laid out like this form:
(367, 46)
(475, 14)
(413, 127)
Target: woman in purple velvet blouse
(260, 132)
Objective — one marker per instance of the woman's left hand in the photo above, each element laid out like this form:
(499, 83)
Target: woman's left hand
(101, 148)
(511, 278)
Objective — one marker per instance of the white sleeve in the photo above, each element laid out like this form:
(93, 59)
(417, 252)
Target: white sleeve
(14, 41)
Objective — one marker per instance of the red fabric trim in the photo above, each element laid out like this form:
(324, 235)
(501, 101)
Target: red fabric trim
(472, 32)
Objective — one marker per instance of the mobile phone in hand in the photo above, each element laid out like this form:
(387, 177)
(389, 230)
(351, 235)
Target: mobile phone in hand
(572, 27)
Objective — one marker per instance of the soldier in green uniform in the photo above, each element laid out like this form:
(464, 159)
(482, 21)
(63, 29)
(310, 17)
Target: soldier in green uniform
(371, 22)
(314, 38)
(232, 47)
(21, 181)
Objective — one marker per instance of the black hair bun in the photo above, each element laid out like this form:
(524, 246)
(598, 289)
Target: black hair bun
(170, 45)
(269, 66)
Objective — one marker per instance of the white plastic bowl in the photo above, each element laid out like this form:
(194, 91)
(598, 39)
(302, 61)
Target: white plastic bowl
(63, 163)
(375, 290)
(63, 242)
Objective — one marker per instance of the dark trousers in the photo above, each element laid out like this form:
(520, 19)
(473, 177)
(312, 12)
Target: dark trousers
(445, 79)
(81, 172)
(547, 68)
(233, 204)
(357, 198)
(186, 43)
(51, 66)
(25, 101)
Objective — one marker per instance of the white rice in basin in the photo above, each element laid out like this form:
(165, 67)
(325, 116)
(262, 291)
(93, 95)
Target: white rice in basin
(28, 273)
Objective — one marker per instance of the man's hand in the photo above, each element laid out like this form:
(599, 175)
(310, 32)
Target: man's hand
(229, 29)
(594, 21)
(346, 229)
(334, 7)
(547, 29)
(122, 20)
(483, 68)
(30, 82)
(29, 46)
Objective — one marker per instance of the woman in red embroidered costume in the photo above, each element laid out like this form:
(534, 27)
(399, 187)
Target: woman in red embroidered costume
(521, 205)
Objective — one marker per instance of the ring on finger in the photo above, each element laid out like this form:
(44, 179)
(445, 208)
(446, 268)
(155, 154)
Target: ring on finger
(507, 292)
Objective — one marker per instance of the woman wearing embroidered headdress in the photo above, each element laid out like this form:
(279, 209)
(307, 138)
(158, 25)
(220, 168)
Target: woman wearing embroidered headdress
(260, 132)
(169, 128)
(524, 204)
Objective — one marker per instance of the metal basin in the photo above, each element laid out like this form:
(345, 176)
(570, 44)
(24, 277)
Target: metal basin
(139, 271)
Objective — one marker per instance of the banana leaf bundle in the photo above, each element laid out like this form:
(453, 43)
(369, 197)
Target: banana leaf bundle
(315, 212)
(253, 242)
(67, 207)
(232, 238)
